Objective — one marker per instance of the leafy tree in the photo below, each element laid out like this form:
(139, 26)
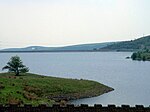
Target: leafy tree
(134, 56)
(16, 65)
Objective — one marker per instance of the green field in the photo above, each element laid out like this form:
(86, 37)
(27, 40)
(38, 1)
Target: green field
(36, 89)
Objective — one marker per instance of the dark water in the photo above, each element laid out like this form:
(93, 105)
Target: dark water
(130, 79)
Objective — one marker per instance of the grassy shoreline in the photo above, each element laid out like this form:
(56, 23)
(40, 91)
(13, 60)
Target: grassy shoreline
(36, 89)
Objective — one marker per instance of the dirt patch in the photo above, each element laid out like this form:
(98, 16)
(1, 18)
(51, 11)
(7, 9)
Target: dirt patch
(1, 86)
(34, 90)
(14, 101)
(30, 96)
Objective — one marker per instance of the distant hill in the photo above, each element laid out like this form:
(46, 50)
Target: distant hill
(133, 45)
(30, 48)
(94, 46)
(85, 46)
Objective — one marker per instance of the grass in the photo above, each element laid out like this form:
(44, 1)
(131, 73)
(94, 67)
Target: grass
(36, 89)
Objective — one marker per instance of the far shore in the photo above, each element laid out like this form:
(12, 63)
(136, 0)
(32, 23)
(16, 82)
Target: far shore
(62, 51)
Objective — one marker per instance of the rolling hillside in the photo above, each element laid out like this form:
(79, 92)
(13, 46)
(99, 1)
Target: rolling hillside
(133, 45)
(65, 48)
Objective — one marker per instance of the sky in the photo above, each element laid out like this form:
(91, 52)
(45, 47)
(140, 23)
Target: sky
(69, 22)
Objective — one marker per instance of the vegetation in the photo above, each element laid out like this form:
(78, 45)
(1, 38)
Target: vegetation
(36, 89)
(16, 65)
(143, 55)
(133, 45)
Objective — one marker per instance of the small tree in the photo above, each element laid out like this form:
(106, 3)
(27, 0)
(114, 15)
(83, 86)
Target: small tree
(16, 65)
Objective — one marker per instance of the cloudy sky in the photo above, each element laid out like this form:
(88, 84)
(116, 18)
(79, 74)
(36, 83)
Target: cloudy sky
(67, 22)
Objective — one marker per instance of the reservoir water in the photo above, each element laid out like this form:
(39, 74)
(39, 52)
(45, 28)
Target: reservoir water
(130, 79)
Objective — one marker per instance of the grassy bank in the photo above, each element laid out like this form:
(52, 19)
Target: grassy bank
(35, 89)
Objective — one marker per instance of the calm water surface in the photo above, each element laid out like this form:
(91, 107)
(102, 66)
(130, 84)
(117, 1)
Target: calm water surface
(130, 79)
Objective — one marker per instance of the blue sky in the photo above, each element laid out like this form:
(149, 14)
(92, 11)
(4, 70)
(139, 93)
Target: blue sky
(66, 22)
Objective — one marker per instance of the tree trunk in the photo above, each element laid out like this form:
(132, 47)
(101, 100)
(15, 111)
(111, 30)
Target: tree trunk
(17, 72)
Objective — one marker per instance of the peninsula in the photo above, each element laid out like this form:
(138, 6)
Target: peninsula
(37, 89)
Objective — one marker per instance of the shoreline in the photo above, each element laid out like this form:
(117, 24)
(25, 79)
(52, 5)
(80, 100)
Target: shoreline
(71, 97)
(64, 100)
(69, 51)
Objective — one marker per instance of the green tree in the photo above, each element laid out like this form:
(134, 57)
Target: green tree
(139, 55)
(16, 65)
(143, 58)
(134, 56)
